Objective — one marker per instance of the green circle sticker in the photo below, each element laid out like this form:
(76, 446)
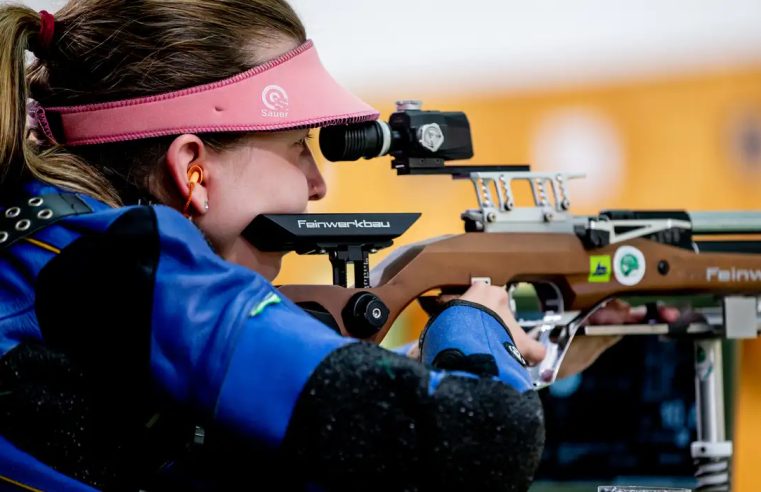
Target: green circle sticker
(629, 265)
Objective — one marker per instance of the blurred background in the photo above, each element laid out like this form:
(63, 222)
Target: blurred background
(658, 102)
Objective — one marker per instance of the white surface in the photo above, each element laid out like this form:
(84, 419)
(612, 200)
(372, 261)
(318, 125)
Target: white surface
(455, 45)
(384, 47)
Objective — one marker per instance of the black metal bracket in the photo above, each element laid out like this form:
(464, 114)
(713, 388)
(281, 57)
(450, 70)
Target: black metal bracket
(345, 238)
(418, 166)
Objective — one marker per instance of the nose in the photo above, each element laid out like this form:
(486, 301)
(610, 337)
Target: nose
(317, 186)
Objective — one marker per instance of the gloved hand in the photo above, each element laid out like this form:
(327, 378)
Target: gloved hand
(478, 334)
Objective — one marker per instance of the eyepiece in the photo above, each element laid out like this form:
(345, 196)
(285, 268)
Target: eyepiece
(352, 142)
(412, 137)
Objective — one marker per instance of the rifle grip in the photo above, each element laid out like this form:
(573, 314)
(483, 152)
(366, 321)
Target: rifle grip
(430, 304)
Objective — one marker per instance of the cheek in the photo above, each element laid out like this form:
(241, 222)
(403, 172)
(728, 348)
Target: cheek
(266, 187)
(259, 184)
(281, 188)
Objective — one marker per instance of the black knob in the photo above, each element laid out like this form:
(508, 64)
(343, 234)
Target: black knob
(364, 315)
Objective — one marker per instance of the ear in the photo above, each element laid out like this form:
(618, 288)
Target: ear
(184, 152)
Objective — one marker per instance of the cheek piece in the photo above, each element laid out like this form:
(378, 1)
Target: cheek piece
(291, 91)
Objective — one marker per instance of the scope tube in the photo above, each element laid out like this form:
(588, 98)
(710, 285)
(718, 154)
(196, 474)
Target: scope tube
(352, 142)
(725, 222)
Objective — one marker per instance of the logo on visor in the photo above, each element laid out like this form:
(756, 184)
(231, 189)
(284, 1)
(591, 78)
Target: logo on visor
(275, 99)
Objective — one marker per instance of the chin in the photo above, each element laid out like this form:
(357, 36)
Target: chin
(265, 264)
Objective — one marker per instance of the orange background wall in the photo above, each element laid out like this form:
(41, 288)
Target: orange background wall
(675, 138)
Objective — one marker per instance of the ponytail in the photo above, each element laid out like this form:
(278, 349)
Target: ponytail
(17, 26)
(21, 156)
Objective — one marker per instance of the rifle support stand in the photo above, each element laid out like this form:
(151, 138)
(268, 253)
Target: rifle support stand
(358, 256)
(712, 452)
(738, 318)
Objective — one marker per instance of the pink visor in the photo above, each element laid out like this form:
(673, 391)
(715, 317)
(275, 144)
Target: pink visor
(291, 91)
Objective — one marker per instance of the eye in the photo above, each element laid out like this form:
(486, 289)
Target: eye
(303, 142)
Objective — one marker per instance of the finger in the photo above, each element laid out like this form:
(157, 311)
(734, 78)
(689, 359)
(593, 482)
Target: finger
(619, 312)
(475, 293)
(613, 313)
(533, 351)
(635, 315)
(668, 314)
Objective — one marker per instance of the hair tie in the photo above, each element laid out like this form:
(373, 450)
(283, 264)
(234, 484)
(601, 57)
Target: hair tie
(47, 29)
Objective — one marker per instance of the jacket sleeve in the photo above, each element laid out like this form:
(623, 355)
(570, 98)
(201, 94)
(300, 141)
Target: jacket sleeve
(222, 341)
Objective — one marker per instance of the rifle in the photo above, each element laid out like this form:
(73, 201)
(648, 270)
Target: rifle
(575, 263)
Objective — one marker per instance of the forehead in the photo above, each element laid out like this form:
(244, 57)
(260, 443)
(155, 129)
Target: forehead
(282, 134)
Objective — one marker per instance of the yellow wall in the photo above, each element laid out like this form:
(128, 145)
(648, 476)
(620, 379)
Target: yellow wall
(675, 136)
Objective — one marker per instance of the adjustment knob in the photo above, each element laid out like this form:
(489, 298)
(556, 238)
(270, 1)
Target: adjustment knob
(364, 315)
(409, 105)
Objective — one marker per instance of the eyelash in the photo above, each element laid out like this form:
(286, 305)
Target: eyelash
(304, 141)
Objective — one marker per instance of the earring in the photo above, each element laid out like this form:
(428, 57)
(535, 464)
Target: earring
(206, 205)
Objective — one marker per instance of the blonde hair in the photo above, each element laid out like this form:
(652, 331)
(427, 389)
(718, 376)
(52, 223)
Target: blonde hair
(104, 50)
